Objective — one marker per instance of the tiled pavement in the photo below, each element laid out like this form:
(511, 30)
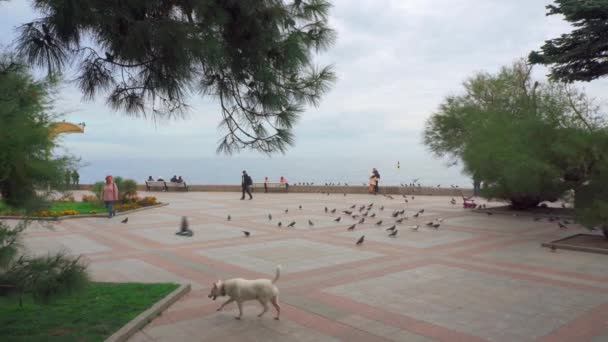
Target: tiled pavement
(477, 278)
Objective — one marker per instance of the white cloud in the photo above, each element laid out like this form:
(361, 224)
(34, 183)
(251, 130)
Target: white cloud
(396, 60)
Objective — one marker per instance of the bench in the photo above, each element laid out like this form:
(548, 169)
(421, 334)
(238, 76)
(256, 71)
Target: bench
(176, 185)
(155, 184)
(165, 185)
(271, 185)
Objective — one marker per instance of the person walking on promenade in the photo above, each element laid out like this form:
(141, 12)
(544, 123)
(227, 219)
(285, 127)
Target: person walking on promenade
(377, 176)
(246, 184)
(283, 180)
(372, 183)
(75, 178)
(109, 194)
(265, 184)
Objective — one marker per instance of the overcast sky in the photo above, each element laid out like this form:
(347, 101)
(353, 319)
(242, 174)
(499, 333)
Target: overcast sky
(395, 59)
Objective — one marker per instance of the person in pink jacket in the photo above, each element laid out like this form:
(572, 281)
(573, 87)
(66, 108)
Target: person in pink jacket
(109, 194)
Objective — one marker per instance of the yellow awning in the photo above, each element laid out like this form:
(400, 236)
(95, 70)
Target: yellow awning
(66, 127)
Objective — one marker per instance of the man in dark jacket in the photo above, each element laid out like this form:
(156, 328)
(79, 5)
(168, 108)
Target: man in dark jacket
(246, 184)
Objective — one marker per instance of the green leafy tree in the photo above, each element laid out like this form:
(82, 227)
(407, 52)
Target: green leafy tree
(581, 54)
(526, 141)
(255, 57)
(27, 165)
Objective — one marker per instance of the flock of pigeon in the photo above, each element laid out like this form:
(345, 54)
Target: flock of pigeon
(361, 215)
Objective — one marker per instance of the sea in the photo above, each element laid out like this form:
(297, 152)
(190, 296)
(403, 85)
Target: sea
(227, 170)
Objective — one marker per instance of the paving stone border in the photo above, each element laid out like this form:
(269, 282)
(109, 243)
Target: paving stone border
(561, 244)
(70, 217)
(137, 323)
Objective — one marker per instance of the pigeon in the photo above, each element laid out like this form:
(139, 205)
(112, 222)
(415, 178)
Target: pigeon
(345, 194)
(395, 214)
(246, 233)
(362, 220)
(566, 222)
(300, 207)
(489, 213)
(413, 197)
(379, 223)
(394, 233)
(562, 226)
(416, 215)
(399, 220)
(453, 201)
(269, 217)
(440, 219)
(381, 208)
(280, 224)
(391, 228)
(372, 215)
(361, 239)
(365, 213)
(286, 211)
(421, 211)
(436, 225)
(361, 208)
(333, 211)
(292, 224)
(353, 206)
(338, 219)
(355, 217)
(347, 212)
(188, 233)
(125, 220)
(415, 228)
(351, 228)
(310, 224)
(229, 218)
(326, 210)
(183, 229)
(402, 212)
(537, 219)
(429, 223)
(553, 248)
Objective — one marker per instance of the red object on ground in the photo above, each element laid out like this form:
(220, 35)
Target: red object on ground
(468, 202)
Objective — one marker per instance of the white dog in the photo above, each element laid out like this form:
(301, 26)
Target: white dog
(240, 290)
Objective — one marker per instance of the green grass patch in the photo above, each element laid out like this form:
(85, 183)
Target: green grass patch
(79, 207)
(91, 315)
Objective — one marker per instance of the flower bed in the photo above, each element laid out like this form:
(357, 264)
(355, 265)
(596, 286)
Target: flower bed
(89, 206)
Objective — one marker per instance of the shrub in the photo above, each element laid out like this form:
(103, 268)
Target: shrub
(67, 198)
(147, 201)
(89, 198)
(128, 189)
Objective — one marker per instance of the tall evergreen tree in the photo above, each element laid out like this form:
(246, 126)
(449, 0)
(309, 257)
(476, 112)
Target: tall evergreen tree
(255, 57)
(581, 55)
(27, 164)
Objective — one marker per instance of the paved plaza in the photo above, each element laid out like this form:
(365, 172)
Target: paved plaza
(476, 278)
